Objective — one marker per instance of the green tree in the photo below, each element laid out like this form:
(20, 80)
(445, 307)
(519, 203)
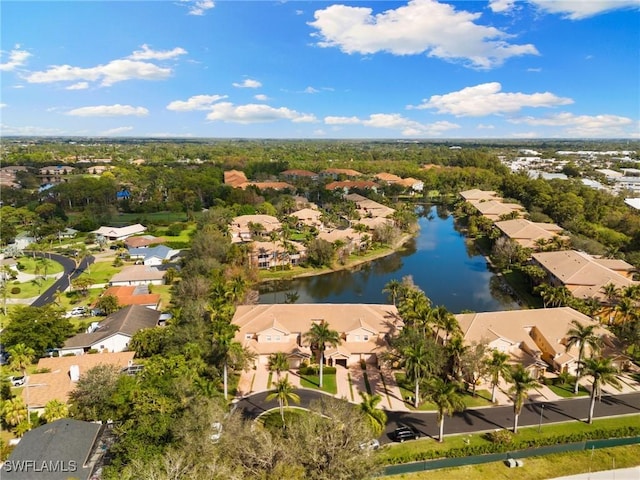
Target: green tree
(376, 417)
(320, 252)
(582, 336)
(522, 382)
(497, 367)
(416, 365)
(14, 411)
(603, 373)
(92, 398)
(278, 362)
(283, 392)
(108, 304)
(21, 357)
(230, 352)
(393, 288)
(448, 400)
(319, 336)
(55, 410)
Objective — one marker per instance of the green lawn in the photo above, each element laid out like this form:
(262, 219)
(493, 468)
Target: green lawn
(32, 288)
(31, 264)
(539, 468)
(272, 420)
(565, 390)
(101, 272)
(313, 381)
(184, 237)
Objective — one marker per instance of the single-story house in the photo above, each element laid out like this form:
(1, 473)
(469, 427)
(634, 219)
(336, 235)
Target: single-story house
(135, 295)
(234, 178)
(363, 329)
(153, 256)
(335, 173)
(476, 195)
(67, 233)
(113, 333)
(60, 450)
(120, 233)
(493, 209)
(138, 275)
(142, 241)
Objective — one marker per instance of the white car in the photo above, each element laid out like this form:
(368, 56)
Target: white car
(76, 312)
(17, 381)
(373, 444)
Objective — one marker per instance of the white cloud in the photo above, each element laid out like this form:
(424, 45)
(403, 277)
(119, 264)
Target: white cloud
(483, 126)
(247, 83)
(536, 70)
(197, 102)
(78, 86)
(311, 90)
(501, 6)
(420, 26)
(582, 125)
(394, 121)
(198, 7)
(2, 105)
(108, 74)
(29, 130)
(148, 54)
(109, 111)
(261, 97)
(116, 131)
(577, 10)
(255, 113)
(17, 58)
(487, 99)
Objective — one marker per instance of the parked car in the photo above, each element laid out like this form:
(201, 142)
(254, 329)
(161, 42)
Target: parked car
(405, 432)
(17, 381)
(76, 312)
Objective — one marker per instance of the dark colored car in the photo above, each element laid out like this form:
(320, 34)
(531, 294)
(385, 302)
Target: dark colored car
(405, 432)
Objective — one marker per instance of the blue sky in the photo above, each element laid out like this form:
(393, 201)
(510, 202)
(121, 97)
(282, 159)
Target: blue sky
(416, 69)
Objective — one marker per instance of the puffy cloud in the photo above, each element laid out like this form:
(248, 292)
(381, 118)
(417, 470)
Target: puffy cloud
(577, 10)
(487, 99)
(147, 54)
(420, 26)
(582, 125)
(255, 113)
(199, 7)
(247, 83)
(78, 86)
(2, 105)
(501, 6)
(197, 102)
(394, 121)
(109, 111)
(108, 74)
(17, 58)
(116, 131)
(261, 97)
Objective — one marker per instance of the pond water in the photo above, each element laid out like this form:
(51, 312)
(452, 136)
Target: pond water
(439, 259)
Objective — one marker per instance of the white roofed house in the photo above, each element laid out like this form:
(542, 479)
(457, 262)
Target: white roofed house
(120, 233)
(153, 256)
(138, 275)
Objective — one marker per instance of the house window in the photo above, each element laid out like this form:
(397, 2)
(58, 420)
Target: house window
(276, 339)
(366, 338)
(268, 338)
(248, 336)
(357, 338)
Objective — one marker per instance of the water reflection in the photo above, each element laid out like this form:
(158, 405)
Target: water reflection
(440, 261)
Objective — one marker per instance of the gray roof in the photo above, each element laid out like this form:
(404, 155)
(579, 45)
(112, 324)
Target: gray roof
(56, 451)
(126, 321)
(160, 251)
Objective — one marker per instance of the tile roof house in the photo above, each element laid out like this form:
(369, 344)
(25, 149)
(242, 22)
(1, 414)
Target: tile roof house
(297, 174)
(234, 178)
(268, 185)
(535, 338)
(387, 177)
(336, 172)
(348, 185)
(113, 333)
(527, 233)
(61, 450)
(62, 375)
(135, 295)
(493, 209)
(584, 275)
(138, 275)
(413, 183)
(120, 233)
(369, 208)
(363, 328)
(142, 241)
(274, 254)
(240, 231)
(309, 217)
(153, 256)
(479, 195)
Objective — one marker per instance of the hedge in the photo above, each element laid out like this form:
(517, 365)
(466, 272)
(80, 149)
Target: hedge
(314, 370)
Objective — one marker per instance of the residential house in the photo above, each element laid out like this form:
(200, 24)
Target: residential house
(55, 174)
(23, 240)
(412, 184)
(67, 233)
(240, 231)
(364, 330)
(113, 333)
(495, 210)
(62, 374)
(584, 275)
(296, 174)
(60, 450)
(368, 208)
(336, 173)
(138, 275)
(142, 241)
(153, 256)
(347, 185)
(120, 233)
(351, 239)
(235, 178)
(387, 178)
(268, 185)
(135, 295)
(275, 254)
(529, 234)
(535, 338)
(479, 195)
(310, 217)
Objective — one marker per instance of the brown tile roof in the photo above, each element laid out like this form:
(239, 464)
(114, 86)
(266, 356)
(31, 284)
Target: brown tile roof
(526, 232)
(234, 178)
(388, 177)
(138, 273)
(267, 185)
(298, 173)
(476, 194)
(362, 184)
(126, 296)
(341, 171)
(142, 241)
(494, 209)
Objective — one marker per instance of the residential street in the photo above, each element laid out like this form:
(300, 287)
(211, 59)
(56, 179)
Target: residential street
(70, 272)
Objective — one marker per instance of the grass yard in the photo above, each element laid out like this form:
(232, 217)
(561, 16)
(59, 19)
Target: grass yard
(31, 265)
(482, 398)
(32, 288)
(313, 381)
(101, 272)
(272, 420)
(540, 468)
(565, 390)
(520, 284)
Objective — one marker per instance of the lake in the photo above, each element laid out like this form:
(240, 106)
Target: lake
(439, 259)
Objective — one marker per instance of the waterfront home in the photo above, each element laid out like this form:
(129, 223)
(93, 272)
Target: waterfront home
(241, 227)
(274, 254)
(529, 234)
(495, 210)
(476, 195)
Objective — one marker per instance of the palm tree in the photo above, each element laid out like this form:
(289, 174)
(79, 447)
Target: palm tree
(497, 367)
(231, 353)
(603, 373)
(582, 336)
(283, 392)
(21, 357)
(456, 350)
(14, 411)
(319, 336)
(447, 397)
(278, 362)
(376, 417)
(393, 288)
(55, 410)
(416, 366)
(522, 382)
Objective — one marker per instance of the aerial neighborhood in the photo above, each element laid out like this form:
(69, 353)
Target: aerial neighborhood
(183, 320)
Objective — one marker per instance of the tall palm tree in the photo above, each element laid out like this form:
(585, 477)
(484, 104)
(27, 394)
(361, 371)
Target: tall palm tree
(55, 410)
(582, 336)
(603, 373)
(21, 357)
(278, 362)
(376, 417)
(319, 336)
(231, 352)
(448, 400)
(393, 288)
(283, 393)
(497, 367)
(456, 350)
(14, 411)
(522, 382)
(416, 366)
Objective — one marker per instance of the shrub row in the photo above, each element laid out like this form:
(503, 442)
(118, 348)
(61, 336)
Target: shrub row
(470, 450)
(177, 245)
(315, 369)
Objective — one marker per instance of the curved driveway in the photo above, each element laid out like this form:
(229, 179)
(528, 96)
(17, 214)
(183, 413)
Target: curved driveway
(70, 272)
(473, 420)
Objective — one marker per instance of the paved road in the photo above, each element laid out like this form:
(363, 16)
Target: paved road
(70, 272)
(475, 420)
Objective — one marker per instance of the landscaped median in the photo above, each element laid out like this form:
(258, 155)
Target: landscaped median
(502, 441)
